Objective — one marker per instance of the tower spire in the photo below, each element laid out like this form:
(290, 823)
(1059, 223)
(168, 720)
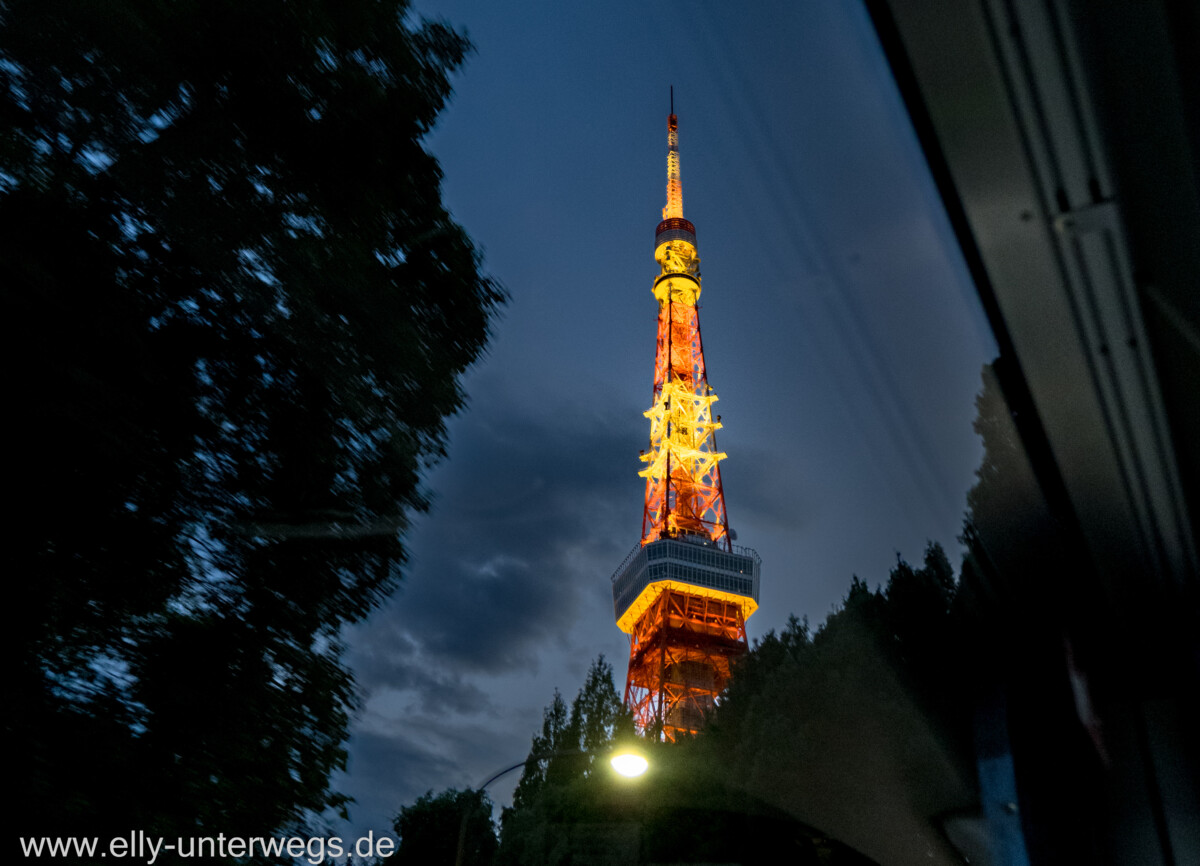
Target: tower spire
(684, 593)
(674, 208)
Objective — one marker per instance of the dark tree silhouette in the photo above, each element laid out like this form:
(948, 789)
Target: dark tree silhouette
(244, 313)
(599, 718)
(568, 747)
(562, 777)
(452, 829)
(549, 745)
(847, 728)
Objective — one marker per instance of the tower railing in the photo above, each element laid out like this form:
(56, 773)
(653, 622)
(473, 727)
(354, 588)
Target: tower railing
(701, 541)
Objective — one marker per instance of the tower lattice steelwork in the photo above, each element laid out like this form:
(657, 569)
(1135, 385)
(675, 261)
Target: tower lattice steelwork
(684, 592)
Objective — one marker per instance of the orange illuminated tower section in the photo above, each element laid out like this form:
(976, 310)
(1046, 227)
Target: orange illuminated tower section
(683, 594)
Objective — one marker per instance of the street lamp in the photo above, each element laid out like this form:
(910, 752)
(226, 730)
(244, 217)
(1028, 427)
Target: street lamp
(626, 762)
(629, 764)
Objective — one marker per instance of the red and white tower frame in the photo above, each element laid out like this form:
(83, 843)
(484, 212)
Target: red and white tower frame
(685, 591)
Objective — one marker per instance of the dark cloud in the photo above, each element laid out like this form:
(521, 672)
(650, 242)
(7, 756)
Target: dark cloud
(522, 533)
(382, 763)
(388, 660)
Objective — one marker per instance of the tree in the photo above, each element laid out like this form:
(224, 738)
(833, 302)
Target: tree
(847, 729)
(558, 783)
(598, 715)
(251, 312)
(549, 744)
(453, 829)
(566, 749)
(917, 610)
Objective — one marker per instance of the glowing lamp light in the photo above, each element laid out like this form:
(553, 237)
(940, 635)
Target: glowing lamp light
(629, 765)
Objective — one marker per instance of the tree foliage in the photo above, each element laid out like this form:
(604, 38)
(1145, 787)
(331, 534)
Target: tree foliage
(569, 746)
(853, 728)
(547, 748)
(907, 625)
(250, 313)
(598, 715)
(452, 829)
(560, 779)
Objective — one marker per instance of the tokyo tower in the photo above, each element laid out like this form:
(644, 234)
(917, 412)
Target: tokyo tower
(685, 591)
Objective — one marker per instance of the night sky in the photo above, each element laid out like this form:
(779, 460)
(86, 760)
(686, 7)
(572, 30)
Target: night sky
(841, 334)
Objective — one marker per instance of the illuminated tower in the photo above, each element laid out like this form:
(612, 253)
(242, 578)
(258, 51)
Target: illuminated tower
(684, 592)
